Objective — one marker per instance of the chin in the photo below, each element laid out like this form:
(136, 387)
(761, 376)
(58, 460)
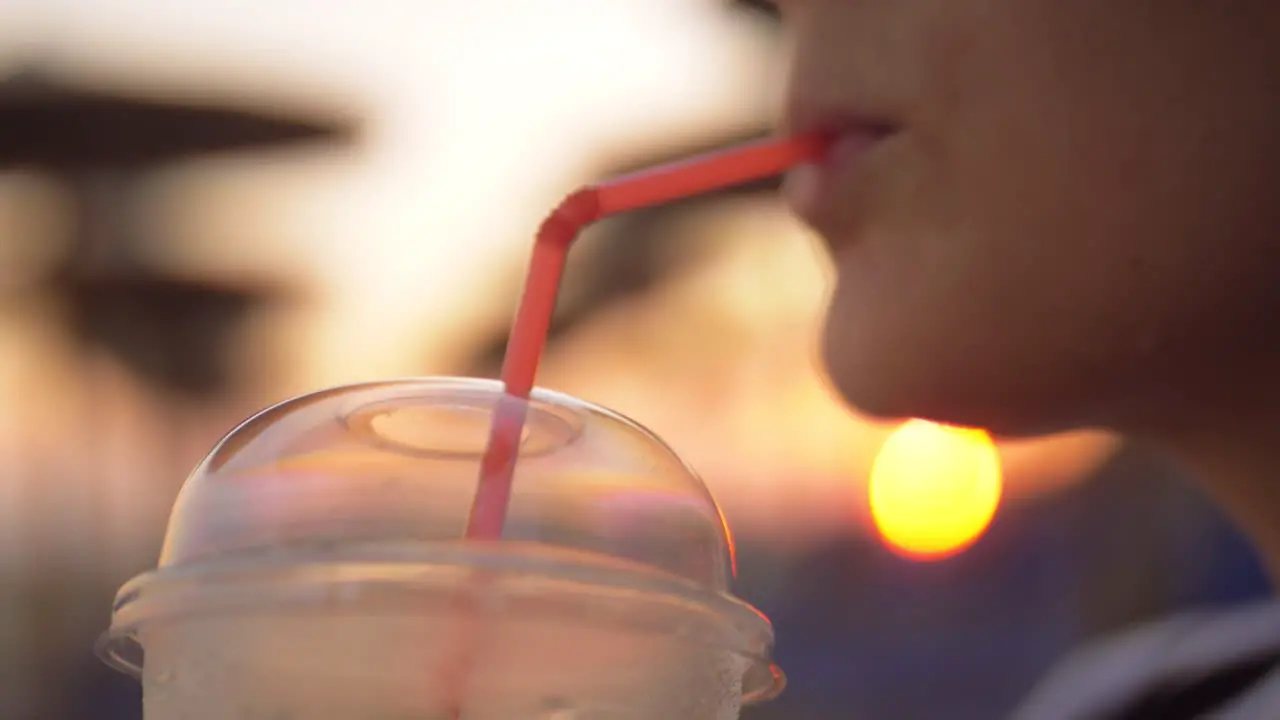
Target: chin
(890, 402)
(882, 390)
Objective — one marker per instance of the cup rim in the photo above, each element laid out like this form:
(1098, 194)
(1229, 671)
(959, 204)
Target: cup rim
(245, 584)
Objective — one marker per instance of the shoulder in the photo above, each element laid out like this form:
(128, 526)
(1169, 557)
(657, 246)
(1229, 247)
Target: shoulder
(1105, 677)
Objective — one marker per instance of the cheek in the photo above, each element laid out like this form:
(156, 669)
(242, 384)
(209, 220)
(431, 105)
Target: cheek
(1068, 157)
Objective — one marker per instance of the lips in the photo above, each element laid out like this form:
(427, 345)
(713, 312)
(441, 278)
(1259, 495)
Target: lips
(809, 186)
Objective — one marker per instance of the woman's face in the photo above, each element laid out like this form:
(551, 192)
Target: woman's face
(1068, 212)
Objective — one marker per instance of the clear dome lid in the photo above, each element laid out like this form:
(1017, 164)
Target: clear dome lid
(387, 471)
(398, 461)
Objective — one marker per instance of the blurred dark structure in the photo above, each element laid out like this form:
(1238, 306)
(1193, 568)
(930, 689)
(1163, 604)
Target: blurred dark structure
(55, 124)
(102, 146)
(170, 330)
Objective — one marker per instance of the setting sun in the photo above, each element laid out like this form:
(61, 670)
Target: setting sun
(934, 488)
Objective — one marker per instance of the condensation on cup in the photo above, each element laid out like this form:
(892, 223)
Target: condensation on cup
(314, 569)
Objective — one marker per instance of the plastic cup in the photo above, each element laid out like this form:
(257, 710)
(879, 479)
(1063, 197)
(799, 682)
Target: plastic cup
(313, 568)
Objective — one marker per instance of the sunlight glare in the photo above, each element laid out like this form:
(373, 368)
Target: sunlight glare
(934, 489)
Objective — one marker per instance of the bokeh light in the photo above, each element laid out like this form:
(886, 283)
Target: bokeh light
(934, 489)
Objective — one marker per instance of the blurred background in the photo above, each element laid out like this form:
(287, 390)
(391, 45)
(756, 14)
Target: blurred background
(207, 207)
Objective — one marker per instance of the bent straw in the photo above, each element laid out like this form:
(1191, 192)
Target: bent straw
(682, 179)
(662, 184)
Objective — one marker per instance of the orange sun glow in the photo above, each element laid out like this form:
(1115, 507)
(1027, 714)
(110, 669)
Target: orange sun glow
(934, 489)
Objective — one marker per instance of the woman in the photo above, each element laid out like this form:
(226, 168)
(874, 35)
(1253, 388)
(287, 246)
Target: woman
(1054, 214)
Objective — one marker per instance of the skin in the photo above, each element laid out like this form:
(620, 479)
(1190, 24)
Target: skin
(1075, 221)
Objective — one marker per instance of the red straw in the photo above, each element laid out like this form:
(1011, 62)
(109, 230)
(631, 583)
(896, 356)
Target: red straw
(659, 185)
(714, 171)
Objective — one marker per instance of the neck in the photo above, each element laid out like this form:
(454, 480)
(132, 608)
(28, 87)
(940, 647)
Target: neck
(1239, 464)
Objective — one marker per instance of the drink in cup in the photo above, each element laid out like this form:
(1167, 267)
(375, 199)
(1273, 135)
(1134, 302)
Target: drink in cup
(456, 549)
(314, 568)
